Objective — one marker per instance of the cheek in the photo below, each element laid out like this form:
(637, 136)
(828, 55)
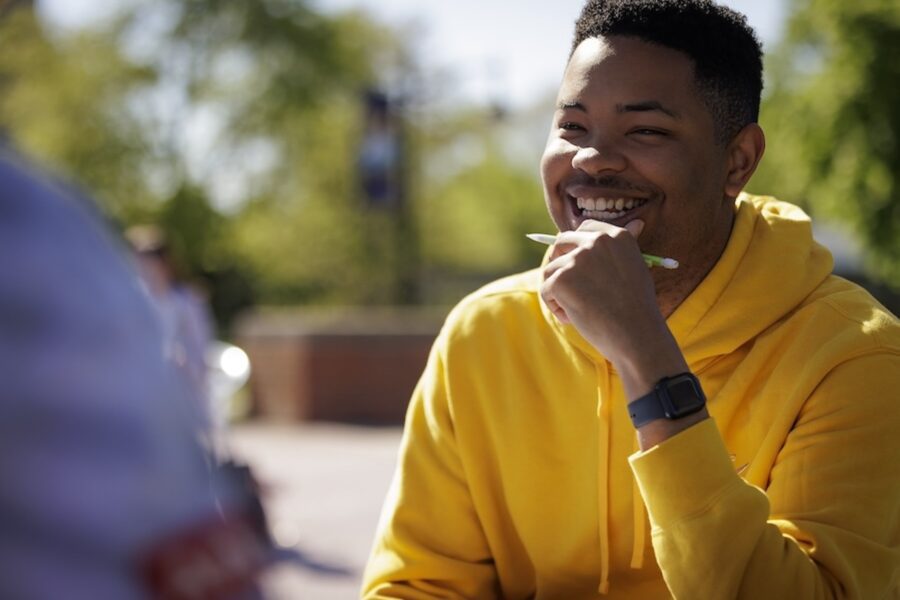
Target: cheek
(555, 161)
(684, 180)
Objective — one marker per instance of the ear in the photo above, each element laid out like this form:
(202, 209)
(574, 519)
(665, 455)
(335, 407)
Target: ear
(743, 155)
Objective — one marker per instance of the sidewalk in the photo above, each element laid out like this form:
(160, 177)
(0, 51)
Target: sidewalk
(324, 486)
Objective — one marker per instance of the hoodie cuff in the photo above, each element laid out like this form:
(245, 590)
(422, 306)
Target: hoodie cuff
(685, 474)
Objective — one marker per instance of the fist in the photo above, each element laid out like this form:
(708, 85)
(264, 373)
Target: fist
(597, 281)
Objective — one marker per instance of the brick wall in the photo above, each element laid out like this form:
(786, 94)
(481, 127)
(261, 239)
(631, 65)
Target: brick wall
(353, 366)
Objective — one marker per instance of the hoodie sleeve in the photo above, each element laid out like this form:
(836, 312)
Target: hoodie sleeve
(828, 523)
(429, 543)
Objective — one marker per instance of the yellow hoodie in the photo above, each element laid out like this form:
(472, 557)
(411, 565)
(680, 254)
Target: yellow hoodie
(519, 475)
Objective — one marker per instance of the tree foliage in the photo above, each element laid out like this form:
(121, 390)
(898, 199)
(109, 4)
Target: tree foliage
(832, 118)
(237, 125)
(65, 102)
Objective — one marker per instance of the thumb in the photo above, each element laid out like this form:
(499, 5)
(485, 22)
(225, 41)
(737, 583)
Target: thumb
(635, 228)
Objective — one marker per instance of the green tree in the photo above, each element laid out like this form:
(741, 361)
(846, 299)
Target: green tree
(65, 101)
(832, 117)
(273, 88)
(287, 82)
(236, 126)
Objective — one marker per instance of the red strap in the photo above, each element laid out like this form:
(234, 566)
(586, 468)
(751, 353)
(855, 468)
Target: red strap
(215, 560)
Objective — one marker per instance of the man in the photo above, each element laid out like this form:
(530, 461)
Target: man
(727, 429)
(187, 324)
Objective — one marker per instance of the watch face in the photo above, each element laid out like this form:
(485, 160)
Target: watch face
(685, 395)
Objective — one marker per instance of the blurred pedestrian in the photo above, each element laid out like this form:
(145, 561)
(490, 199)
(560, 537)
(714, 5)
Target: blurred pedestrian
(105, 491)
(183, 311)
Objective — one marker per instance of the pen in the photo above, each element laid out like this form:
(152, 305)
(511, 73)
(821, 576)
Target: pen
(652, 261)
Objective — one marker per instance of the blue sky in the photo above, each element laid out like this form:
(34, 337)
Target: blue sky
(491, 49)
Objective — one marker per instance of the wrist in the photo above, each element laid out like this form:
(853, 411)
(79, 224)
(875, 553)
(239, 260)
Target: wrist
(656, 432)
(649, 364)
(673, 405)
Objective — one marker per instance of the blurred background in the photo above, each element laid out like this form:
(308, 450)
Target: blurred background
(332, 175)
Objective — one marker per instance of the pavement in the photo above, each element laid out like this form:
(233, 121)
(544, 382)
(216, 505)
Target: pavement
(323, 488)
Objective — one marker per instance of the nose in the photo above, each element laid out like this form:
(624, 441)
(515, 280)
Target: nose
(598, 157)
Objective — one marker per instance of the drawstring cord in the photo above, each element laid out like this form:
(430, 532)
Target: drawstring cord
(603, 398)
(640, 522)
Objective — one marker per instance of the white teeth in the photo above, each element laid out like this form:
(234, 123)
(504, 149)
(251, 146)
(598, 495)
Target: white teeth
(601, 214)
(603, 207)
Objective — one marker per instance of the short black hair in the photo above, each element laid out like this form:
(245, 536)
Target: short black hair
(726, 53)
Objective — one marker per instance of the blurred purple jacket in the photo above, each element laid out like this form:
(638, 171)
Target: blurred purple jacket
(98, 442)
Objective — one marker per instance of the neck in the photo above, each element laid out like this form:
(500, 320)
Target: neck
(673, 287)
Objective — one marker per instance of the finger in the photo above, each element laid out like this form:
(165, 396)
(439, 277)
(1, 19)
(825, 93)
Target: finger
(553, 305)
(594, 225)
(560, 314)
(579, 237)
(555, 264)
(568, 241)
(557, 250)
(549, 287)
(635, 228)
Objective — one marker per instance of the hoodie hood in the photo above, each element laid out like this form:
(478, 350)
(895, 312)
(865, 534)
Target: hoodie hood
(743, 294)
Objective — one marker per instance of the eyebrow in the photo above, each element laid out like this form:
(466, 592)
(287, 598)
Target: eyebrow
(571, 105)
(644, 106)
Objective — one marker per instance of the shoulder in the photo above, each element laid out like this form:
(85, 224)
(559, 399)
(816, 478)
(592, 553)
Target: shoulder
(857, 348)
(853, 317)
(506, 294)
(504, 305)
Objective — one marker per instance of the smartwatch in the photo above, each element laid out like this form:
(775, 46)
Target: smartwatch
(672, 398)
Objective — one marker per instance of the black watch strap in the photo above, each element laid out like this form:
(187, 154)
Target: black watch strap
(671, 398)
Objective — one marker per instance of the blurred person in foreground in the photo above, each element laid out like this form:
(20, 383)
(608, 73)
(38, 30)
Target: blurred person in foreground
(183, 312)
(105, 491)
(598, 428)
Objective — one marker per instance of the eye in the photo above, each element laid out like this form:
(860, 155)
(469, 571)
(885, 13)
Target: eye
(570, 126)
(647, 131)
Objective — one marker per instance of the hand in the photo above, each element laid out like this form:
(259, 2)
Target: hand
(597, 281)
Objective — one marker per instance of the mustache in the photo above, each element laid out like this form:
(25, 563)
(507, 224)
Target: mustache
(612, 182)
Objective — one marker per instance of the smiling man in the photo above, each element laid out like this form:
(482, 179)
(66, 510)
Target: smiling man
(596, 427)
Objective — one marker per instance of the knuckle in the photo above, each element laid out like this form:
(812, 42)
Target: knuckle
(546, 290)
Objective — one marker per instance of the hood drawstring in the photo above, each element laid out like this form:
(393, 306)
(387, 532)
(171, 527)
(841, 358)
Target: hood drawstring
(604, 397)
(640, 522)
(604, 393)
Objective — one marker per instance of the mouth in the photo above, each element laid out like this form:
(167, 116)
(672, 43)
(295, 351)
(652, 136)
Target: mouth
(615, 210)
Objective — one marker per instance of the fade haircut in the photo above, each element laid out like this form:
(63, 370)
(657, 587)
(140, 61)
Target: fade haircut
(726, 54)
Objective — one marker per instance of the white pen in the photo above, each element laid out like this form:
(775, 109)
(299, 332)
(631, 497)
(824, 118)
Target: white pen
(652, 261)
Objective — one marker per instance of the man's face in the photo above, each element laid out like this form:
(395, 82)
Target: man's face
(632, 139)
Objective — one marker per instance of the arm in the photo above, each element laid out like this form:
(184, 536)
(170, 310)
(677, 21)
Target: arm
(622, 321)
(430, 543)
(827, 524)
(825, 527)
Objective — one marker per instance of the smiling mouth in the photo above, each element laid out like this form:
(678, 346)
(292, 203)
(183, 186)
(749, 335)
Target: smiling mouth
(606, 209)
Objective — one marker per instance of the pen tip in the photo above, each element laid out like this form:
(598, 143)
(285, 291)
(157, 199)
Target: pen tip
(541, 238)
(669, 263)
